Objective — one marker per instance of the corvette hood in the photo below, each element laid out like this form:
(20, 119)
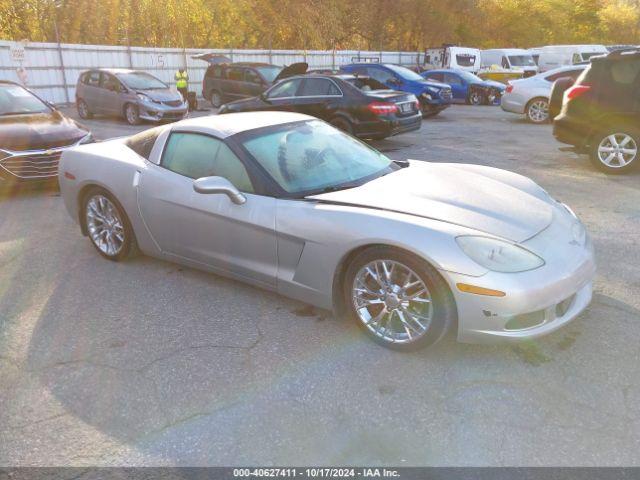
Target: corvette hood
(486, 199)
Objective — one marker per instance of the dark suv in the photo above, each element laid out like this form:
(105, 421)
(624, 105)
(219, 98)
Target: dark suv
(226, 82)
(601, 112)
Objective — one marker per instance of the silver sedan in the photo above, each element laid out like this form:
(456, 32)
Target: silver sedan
(410, 250)
(530, 96)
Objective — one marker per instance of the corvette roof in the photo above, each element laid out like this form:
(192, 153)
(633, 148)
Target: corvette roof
(223, 126)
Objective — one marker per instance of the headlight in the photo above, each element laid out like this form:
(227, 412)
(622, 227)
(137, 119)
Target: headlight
(144, 98)
(432, 90)
(427, 96)
(498, 255)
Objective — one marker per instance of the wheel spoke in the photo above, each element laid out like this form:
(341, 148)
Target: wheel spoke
(613, 140)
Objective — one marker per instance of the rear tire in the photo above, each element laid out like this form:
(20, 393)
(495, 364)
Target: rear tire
(107, 225)
(215, 97)
(475, 98)
(132, 114)
(83, 110)
(615, 150)
(343, 124)
(537, 110)
(420, 307)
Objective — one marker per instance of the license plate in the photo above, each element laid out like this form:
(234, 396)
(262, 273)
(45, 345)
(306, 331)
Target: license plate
(406, 107)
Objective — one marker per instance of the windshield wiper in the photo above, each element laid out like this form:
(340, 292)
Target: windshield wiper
(337, 188)
(16, 113)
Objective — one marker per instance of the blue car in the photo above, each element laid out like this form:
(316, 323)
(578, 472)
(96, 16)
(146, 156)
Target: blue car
(467, 87)
(433, 96)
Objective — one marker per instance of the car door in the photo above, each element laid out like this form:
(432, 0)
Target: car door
(92, 91)
(254, 83)
(208, 229)
(233, 84)
(458, 85)
(110, 94)
(318, 97)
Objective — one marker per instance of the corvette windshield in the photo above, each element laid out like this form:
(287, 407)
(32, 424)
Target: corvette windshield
(313, 156)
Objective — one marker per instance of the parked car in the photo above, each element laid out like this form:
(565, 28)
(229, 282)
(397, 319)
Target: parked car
(33, 135)
(433, 96)
(360, 106)
(555, 56)
(601, 114)
(467, 87)
(530, 96)
(284, 201)
(453, 57)
(226, 82)
(514, 60)
(132, 94)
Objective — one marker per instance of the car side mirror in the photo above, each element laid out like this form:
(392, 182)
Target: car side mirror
(263, 97)
(217, 185)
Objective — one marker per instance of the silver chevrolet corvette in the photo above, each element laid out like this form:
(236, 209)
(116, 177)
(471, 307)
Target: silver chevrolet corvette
(409, 249)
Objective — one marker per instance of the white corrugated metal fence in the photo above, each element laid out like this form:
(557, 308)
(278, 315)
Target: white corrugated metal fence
(52, 70)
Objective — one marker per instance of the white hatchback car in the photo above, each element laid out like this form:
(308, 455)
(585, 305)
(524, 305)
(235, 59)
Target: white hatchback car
(530, 96)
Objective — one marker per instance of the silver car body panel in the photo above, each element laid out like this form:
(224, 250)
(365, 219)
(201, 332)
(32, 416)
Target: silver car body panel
(298, 247)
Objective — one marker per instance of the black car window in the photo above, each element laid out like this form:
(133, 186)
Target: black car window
(236, 74)
(625, 72)
(142, 143)
(319, 87)
(452, 79)
(195, 156)
(252, 76)
(365, 84)
(285, 89)
(380, 74)
(566, 74)
(93, 79)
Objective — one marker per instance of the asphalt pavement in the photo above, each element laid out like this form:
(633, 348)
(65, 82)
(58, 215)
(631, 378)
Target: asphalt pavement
(149, 363)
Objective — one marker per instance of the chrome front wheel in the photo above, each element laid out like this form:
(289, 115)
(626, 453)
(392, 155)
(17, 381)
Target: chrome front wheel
(392, 301)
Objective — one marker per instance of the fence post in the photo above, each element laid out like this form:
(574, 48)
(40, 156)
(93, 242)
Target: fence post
(62, 69)
(399, 58)
(333, 58)
(231, 55)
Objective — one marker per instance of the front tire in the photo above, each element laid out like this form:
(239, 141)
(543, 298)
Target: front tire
(108, 226)
(83, 110)
(132, 114)
(538, 110)
(398, 299)
(475, 98)
(616, 149)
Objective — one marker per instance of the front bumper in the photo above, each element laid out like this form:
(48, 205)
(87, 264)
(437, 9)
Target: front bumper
(537, 302)
(159, 112)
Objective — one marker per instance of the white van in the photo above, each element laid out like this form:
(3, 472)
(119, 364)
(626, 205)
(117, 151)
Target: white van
(449, 56)
(554, 56)
(511, 59)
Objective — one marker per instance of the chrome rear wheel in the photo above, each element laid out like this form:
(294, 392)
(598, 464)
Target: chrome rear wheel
(392, 301)
(105, 225)
(538, 110)
(617, 150)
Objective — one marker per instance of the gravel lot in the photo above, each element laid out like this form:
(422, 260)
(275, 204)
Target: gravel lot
(148, 363)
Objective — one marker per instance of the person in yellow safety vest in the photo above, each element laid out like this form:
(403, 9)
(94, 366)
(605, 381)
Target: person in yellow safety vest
(182, 83)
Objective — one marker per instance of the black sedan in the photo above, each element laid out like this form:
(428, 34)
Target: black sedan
(33, 135)
(358, 105)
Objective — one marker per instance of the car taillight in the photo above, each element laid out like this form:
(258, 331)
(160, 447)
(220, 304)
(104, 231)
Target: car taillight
(509, 89)
(382, 108)
(576, 91)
